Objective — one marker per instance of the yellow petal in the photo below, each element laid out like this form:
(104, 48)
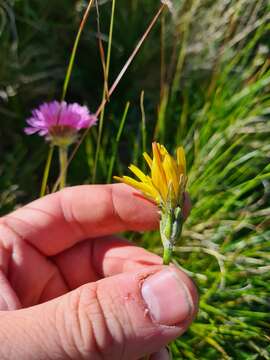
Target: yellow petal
(154, 193)
(146, 189)
(148, 159)
(182, 184)
(171, 171)
(163, 151)
(181, 159)
(140, 175)
(129, 181)
(168, 176)
(144, 178)
(157, 173)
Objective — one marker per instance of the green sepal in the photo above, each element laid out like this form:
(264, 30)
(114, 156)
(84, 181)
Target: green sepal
(170, 229)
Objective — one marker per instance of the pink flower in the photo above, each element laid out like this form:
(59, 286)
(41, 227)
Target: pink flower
(59, 121)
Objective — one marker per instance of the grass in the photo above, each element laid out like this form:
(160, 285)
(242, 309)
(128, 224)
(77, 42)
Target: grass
(201, 79)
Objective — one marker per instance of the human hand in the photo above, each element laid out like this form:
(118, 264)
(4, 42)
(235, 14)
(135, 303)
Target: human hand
(71, 290)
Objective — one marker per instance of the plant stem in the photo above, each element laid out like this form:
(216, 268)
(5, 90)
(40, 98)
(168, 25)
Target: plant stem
(74, 50)
(116, 143)
(115, 84)
(167, 256)
(46, 171)
(65, 86)
(162, 57)
(143, 122)
(63, 165)
(105, 95)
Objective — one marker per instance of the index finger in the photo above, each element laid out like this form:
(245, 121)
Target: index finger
(60, 220)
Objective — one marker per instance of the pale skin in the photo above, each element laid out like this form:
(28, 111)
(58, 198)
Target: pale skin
(69, 289)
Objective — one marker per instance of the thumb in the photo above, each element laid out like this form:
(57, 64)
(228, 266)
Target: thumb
(122, 317)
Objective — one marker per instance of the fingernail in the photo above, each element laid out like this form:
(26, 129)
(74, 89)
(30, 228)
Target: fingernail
(167, 297)
(163, 354)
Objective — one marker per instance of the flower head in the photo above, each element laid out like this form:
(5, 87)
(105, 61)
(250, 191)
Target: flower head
(59, 121)
(165, 186)
(166, 183)
(168, 3)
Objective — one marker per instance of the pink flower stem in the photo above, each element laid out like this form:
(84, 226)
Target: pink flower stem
(63, 157)
(46, 171)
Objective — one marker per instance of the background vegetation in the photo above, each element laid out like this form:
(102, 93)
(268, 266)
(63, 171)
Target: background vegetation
(205, 73)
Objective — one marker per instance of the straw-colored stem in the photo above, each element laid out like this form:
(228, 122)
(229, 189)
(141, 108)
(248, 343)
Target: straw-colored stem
(105, 91)
(115, 84)
(46, 172)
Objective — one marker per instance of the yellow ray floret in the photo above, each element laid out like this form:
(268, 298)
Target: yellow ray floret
(148, 159)
(167, 181)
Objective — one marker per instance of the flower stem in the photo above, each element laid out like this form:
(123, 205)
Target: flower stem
(115, 84)
(105, 96)
(171, 223)
(74, 50)
(46, 171)
(116, 143)
(167, 256)
(63, 156)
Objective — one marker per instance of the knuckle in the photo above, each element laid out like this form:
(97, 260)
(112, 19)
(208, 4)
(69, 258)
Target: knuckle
(69, 216)
(95, 328)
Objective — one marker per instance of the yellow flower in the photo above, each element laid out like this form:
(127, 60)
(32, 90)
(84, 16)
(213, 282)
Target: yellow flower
(166, 183)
